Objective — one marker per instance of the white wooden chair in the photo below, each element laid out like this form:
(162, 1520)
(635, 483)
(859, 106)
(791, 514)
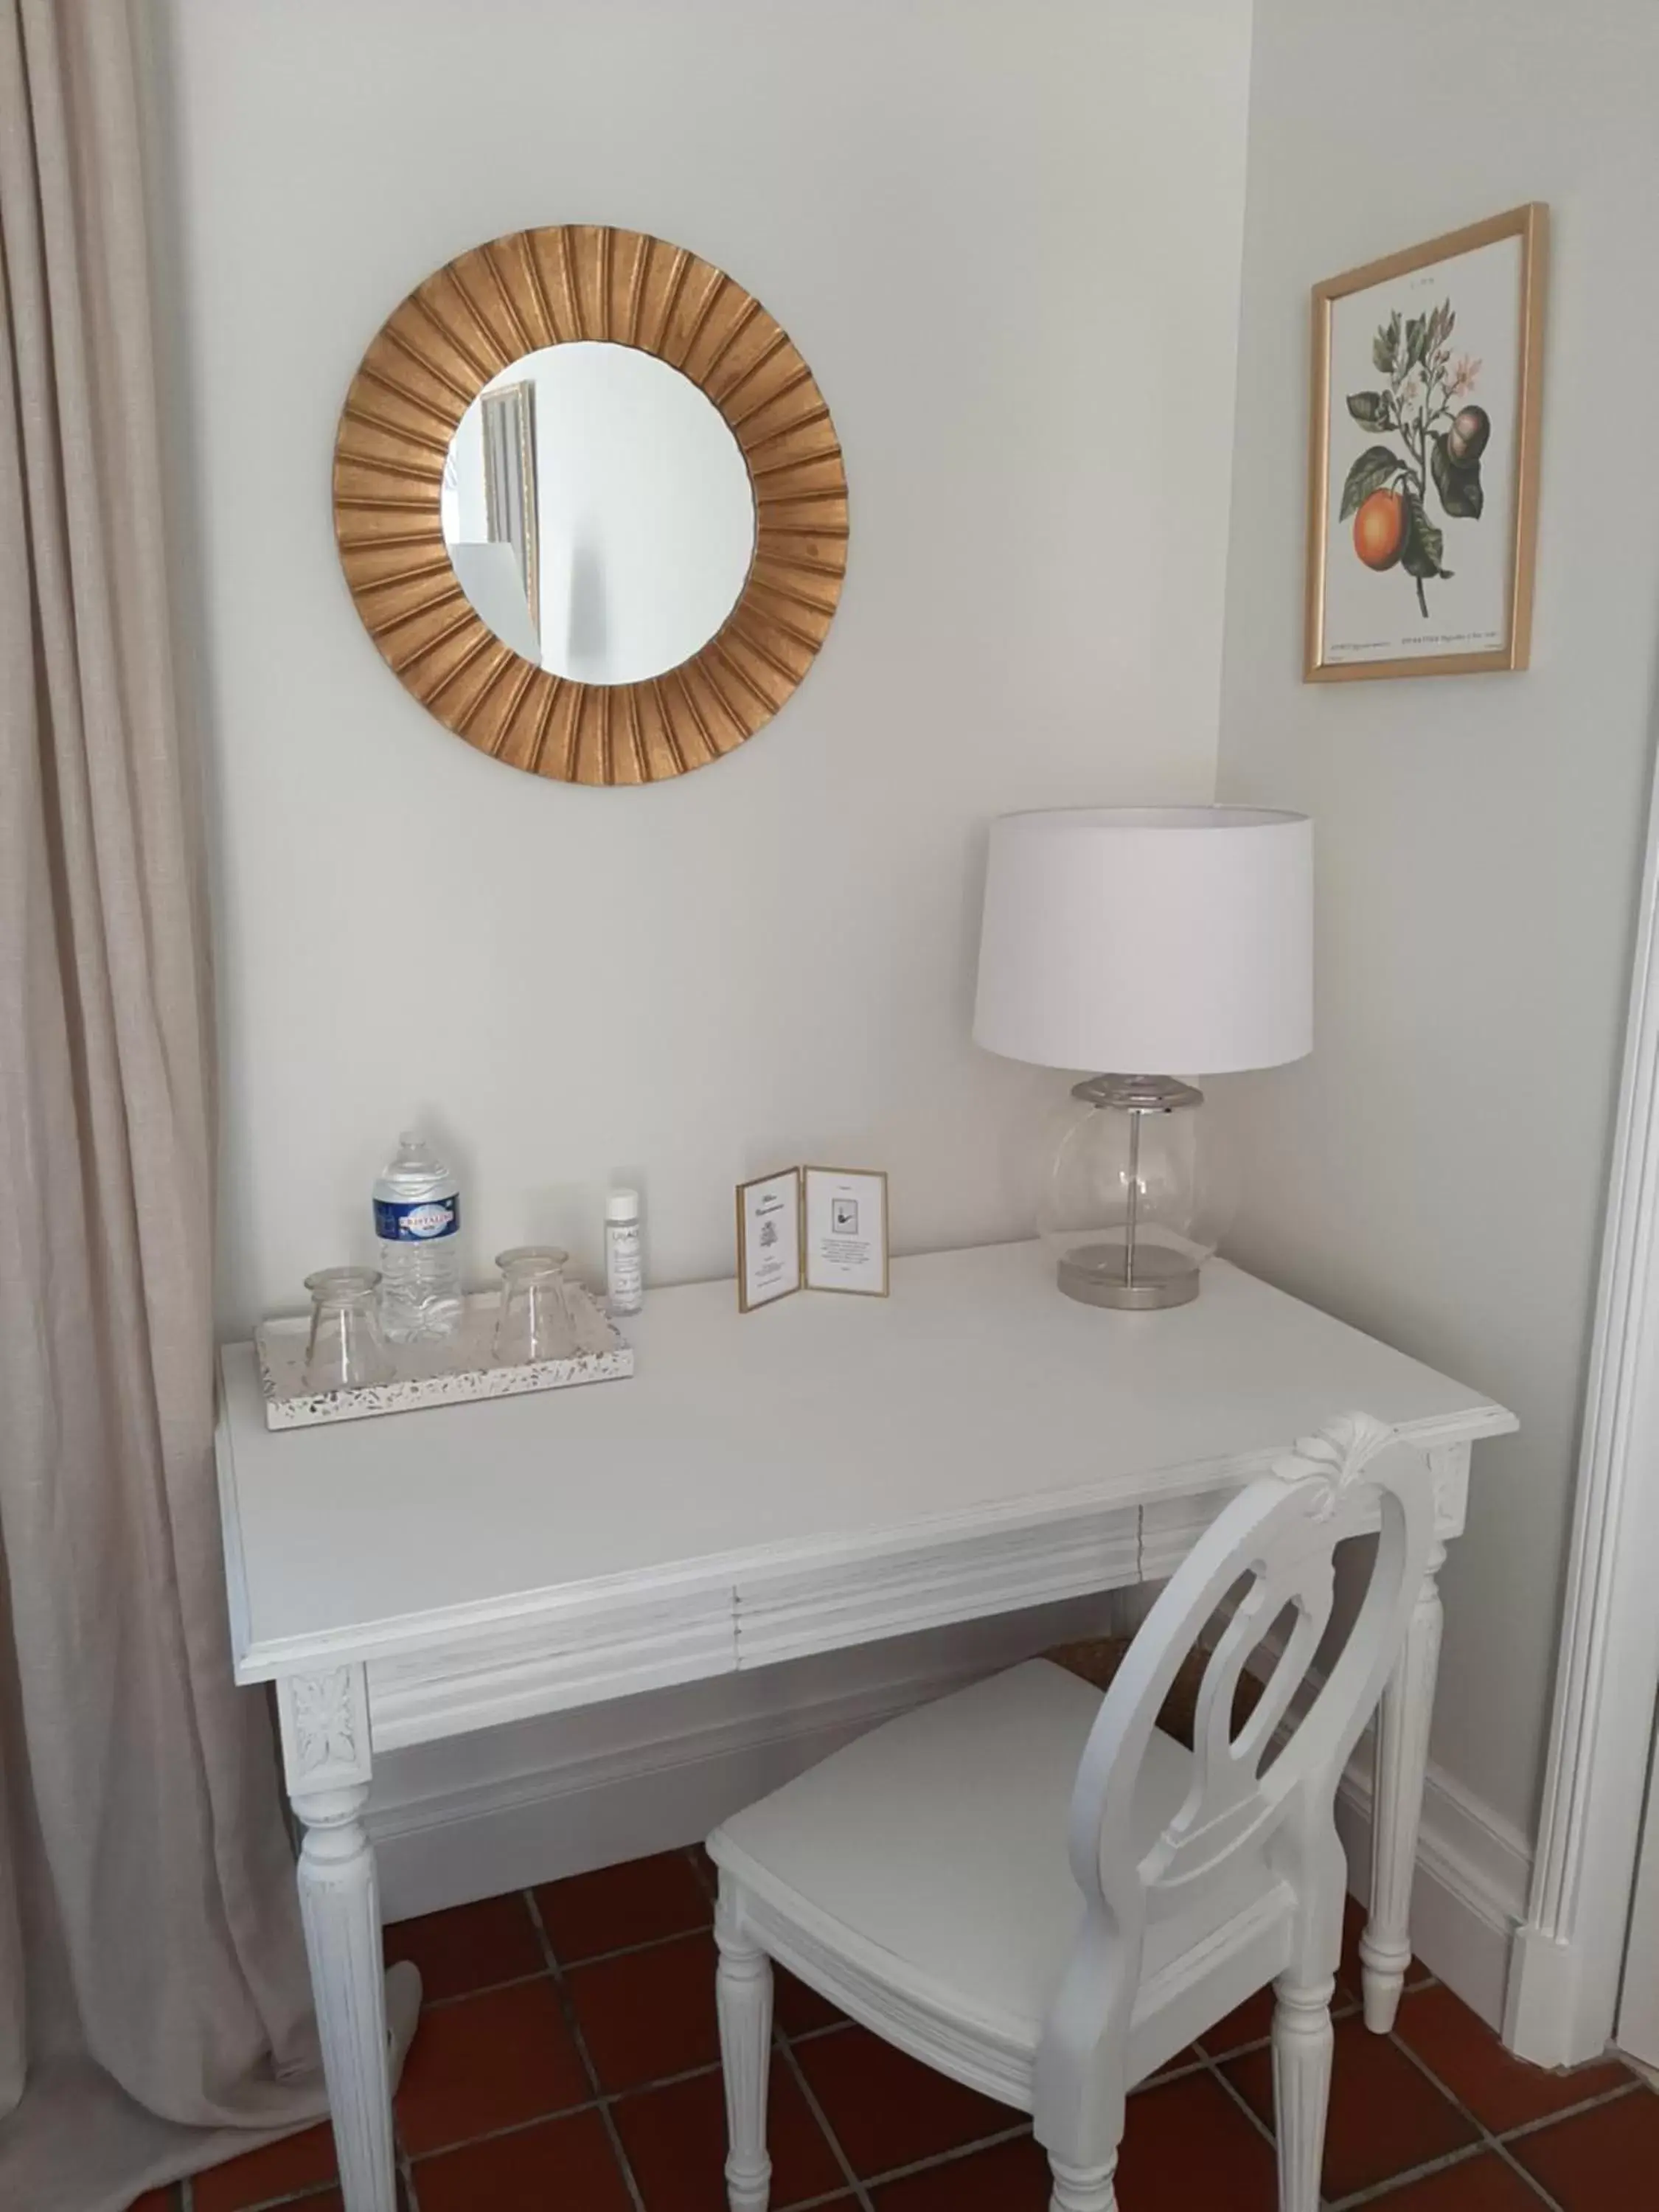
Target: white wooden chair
(930, 1880)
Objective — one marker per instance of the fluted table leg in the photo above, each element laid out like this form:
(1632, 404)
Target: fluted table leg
(1402, 1757)
(325, 1749)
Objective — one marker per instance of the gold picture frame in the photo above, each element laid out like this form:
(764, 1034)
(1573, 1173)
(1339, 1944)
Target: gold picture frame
(430, 361)
(783, 1245)
(1423, 468)
(769, 1264)
(821, 1268)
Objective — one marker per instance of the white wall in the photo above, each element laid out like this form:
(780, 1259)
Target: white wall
(1007, 241)
(1436, 1172)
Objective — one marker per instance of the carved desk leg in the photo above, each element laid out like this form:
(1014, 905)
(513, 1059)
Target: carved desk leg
(325, 1752)
(1402, 1757)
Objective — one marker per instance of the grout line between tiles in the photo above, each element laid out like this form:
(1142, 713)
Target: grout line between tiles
(1500, 2142)
(1570, 2113)
(607, 2119)
(1198, 2065)
(1392, 2184)
(1378, 2192)
(1375, 2191)
(1506, 2157)
(483, 1990)
(567, 1966)
(785, 2051)
(1486, 2138)
(603, 2100)
(588, 2104)
(1491, 2134)
(406, 2169)
(828, 2027)
(1212, 2067)
(309, 2194)
(953, 2157)
(632, 1950)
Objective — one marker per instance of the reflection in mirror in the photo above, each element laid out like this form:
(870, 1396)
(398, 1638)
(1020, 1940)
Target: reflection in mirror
(598, 512)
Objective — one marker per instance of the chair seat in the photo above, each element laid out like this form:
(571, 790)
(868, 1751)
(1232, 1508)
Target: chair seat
(929, 1859)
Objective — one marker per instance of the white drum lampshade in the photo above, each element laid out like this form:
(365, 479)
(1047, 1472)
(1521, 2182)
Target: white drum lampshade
(1146, 943)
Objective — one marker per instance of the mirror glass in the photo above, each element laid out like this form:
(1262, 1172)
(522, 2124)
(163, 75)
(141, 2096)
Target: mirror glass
(598, 512)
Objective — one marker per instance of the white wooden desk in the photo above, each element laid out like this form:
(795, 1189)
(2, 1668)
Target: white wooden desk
(817, 1475)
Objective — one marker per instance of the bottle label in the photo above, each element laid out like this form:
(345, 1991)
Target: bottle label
(624, 1276)
(428, 1217)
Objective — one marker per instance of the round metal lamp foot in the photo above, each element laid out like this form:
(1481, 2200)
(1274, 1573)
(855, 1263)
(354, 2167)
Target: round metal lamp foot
(1095, 1274)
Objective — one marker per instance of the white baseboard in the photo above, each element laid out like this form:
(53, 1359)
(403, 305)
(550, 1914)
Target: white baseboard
(509, 1807)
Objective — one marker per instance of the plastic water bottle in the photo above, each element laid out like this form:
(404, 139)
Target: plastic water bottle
(417, 1218)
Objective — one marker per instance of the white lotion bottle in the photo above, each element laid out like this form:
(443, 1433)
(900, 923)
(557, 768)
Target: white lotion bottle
(624, 1265)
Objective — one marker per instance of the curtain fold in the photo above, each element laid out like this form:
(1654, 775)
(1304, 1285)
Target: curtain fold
(153, 1989)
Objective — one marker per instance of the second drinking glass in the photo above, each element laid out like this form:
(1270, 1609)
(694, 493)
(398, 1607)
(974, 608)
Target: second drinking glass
(537, 1321)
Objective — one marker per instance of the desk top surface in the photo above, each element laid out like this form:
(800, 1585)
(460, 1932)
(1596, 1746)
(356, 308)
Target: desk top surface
(821, 1428)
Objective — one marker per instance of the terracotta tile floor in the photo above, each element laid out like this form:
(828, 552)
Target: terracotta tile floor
(567, 2063)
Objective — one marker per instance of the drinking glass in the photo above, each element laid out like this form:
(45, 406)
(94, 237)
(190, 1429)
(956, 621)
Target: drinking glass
(536, 1320)
(346, 1351)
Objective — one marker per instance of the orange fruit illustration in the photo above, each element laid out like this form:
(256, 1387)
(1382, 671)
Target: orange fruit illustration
(1379, 529)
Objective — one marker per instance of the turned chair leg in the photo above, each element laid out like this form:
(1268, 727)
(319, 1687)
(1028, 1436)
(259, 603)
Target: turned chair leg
(1303, 2044)
(743, 1991)
(1083, 2187)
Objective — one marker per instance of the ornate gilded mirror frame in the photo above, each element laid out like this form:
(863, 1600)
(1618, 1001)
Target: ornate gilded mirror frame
(487, 309)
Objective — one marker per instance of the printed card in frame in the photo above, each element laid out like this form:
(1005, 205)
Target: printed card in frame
(768, 1239)
(844, 1231)
(1423, 458)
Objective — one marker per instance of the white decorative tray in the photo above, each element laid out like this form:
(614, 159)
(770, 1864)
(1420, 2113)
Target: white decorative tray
(427, 1375)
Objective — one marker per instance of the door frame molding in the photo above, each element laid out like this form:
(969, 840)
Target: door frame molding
(1567, 1958)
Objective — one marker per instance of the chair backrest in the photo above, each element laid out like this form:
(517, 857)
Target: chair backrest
(1275, 1547)
(1272, 1549)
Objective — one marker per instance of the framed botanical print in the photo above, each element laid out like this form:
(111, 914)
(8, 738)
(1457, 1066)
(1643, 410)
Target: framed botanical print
(1423, 466)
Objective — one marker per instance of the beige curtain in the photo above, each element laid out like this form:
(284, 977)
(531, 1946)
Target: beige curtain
(152, 1980)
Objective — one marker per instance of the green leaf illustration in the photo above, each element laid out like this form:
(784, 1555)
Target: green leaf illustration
(1419, 556)
(1369, 474)
(1370, 408)
(1417, 332)
(1459, 485)
(1385, 346)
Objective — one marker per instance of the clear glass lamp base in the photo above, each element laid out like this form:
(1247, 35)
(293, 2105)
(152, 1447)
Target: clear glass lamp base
(1135, 1201)
(1098, 1275)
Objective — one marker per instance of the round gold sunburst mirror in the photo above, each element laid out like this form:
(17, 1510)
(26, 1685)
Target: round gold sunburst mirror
(591, 505)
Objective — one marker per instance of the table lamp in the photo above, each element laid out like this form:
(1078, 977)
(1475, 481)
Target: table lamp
(1142, 939)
